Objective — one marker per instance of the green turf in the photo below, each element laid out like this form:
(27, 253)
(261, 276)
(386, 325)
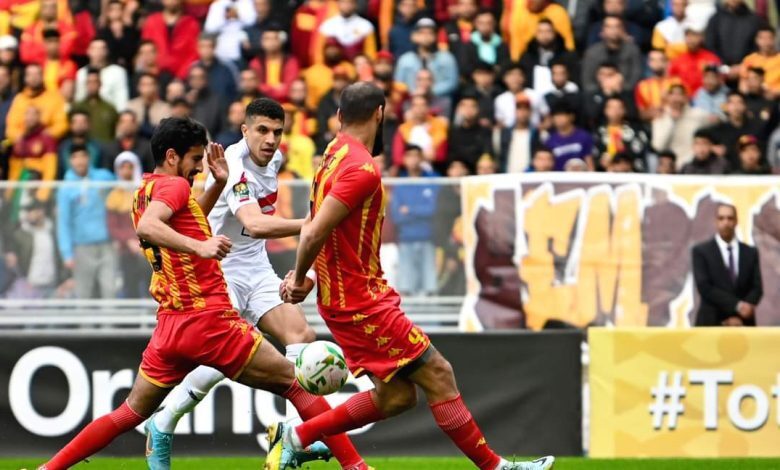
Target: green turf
(422, 464)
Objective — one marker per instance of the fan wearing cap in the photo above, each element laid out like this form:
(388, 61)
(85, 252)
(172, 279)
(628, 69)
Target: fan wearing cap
(275, 68)
(751, 161)
(426, 55)
(354, 33)
(319, 76)
(52, 15)
(9, 57)
(518, 142)
(689, 65)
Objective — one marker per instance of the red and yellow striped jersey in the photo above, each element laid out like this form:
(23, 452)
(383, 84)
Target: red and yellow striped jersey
(181, 282)
(349, 275)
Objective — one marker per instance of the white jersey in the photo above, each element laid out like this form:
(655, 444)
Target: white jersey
(248, 183)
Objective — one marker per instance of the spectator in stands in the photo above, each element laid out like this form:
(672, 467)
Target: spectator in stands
(424, 130)
(484, 89)
(731, 32)
(705, 161)
(750, 158)
(82, 229)
(128, 139)
(423, 85)
(226, 23)
(10, 58)
(773, 151)
(400, 37)
(486, 165)
(518, 143)
(467, 137)
(455, 35)
(440, 62)
(737, 124)
(296, 146)
(615, 47)
(711, 97)
(175, 90)
(175, 35)
(729, 296)
(33, 252)
(58, 73)
(547, 48)
(620, 163)
(689, 65)
(567, 141)
(113, 78)
(146, 62)
(617, 136)
(232, 130)
(32, 48)
(221, 75)
(78, 137)
(275, 68)
(611, 83)
(250, 47)
(352, 31)
(486, 45)
(669, 33)
(148, 107)
(319, 76)
(563, 89)
(674, 128)
(765, 57)
(543, 161)
(667, 163)
(102, 115)
(34, 155)
(412, 209)
(576, 165)
(758, 105)
(649, 92)
(327, 122)
(133, 265)
(120, 35)
(505, 104)
(207, 108)
(7, 95)
(248, 86)
(521, 18)
(304, 121)
(640, 35)
(448, 232)
(49, 104)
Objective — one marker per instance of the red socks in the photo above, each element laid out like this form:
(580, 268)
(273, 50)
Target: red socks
(354, 413)
(340, 445)
(95, 436)
(456, 421)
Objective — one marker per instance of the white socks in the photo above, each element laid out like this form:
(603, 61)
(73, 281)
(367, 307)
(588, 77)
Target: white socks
(186, 396)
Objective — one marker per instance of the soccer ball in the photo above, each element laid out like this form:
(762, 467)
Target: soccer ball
(321, 368)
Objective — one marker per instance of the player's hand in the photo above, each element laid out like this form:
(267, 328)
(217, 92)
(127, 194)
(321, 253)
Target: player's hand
(215, 247)
(295, 294)
(215, 157)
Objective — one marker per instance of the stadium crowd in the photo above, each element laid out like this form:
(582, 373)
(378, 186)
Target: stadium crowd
(472, 88)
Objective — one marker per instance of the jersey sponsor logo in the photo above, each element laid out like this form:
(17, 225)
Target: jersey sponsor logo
(241, 189)
(267, 203)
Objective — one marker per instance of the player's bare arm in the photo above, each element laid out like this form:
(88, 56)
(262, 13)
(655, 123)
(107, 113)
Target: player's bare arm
(153, 228)
(313, 235)
(259, 225)
(215, 158)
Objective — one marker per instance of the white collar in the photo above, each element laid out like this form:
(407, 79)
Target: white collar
(734, 244)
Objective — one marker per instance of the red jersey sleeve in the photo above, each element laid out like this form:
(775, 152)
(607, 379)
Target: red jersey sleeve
(174, 192)
(355, 183)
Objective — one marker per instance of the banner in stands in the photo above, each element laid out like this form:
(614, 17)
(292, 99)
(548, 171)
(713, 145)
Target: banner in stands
(712, 392)
(598, 249)
(524, 389)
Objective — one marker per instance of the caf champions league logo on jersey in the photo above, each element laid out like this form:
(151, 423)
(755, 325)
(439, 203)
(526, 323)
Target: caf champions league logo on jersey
(241, 190)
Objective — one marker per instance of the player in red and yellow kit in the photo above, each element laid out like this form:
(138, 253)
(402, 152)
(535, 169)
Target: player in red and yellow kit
(196, 323)
(342, 239)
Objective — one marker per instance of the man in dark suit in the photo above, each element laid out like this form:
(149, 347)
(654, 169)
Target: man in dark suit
(728, 275)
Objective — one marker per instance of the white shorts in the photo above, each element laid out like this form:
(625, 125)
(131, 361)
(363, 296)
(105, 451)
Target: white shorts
(254, 295)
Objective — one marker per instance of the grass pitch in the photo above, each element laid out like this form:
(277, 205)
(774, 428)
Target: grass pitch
(418, 464)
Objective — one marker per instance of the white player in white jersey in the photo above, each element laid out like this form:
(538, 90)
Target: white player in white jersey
(243, 213)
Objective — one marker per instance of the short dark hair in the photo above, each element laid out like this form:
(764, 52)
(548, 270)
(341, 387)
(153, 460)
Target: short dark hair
(667, 154)
(51, 33)
(265, 107)
(76, 148)
(208, 37)
(93, 71)
(177, 134)
(413, 148)
(543, 149)
(76, 112)
(622, 157)
(608, 64)
(142, 75)
(704, 134)
(614, 17)
(735, 93)
(485, 11)
(757, 70)
(766, 28)
(359, 101)
(614, 98)
(726, 204)
(181, 101)
(512, 66)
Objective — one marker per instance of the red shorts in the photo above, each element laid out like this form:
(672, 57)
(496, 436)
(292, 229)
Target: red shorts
(182, 341)
(379, 339)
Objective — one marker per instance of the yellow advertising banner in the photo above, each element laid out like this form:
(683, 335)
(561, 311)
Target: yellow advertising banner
(705, 392)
